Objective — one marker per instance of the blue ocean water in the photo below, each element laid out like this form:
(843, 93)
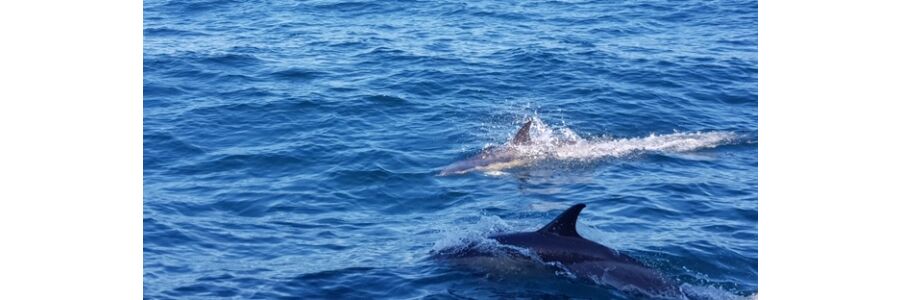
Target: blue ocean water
(291, 149)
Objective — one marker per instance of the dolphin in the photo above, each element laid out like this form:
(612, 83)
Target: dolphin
(495, 158)
(559, 244)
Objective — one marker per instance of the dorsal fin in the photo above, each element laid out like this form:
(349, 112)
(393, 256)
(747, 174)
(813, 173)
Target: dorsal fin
(564, 224)
(523, 136)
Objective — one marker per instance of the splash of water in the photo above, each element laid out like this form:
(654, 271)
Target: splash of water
(457, 238)
(562, 143)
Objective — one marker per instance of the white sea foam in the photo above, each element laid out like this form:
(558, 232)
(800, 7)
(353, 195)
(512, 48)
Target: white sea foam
(713, 293)
(564, 144)
(475, 234)
(495, 173)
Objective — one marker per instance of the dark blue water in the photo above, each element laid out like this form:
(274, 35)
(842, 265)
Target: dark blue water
(291, 148)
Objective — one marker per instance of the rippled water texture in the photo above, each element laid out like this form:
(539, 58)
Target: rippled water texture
(291, 149)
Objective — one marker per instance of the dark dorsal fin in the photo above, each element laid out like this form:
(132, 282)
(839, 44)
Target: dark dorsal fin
(523, 136)
(564, 224)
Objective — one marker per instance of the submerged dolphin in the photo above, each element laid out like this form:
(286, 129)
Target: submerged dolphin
(494, 158)
(559, 243)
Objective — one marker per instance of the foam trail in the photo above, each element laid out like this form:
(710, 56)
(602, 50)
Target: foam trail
(564, 144)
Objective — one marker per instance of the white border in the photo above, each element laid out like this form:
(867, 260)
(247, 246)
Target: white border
(70, 160)
(828, 121)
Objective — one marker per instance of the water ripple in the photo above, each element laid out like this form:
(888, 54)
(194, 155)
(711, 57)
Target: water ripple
(290, 149)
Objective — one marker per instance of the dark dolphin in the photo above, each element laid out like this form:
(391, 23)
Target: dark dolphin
(559, 243)
(494, 158)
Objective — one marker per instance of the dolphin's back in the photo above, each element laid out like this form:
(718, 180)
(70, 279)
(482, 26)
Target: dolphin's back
(559, 241)
(592, 261)
(626, 276)
(558, 248)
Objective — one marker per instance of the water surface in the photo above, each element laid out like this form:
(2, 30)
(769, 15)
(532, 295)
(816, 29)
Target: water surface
(291, 148)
